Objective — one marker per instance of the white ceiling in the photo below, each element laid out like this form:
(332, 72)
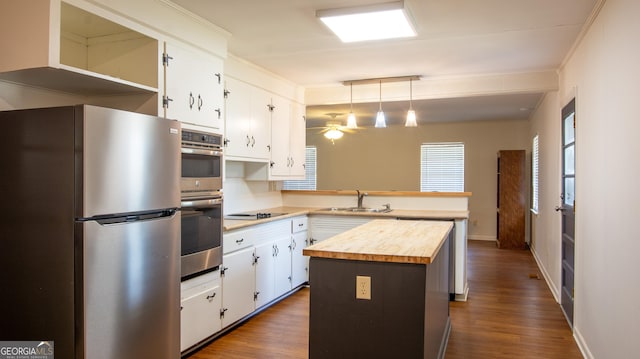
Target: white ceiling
(456, 39)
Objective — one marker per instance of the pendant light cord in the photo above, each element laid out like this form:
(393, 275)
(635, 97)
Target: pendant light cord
(410, 94)
(380, 95)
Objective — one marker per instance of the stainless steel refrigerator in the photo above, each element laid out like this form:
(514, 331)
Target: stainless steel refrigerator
(89, 234)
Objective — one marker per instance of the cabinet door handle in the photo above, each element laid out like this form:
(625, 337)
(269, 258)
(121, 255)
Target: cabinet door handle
(292, 162)
(219, 112)
(253, 141)
(219, 76)
(165, 101)
(248, 141)
(293, 244)
(192, 100)
(199, 102)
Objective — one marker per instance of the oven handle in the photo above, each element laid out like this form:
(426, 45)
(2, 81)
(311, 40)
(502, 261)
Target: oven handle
(201, 203)
(195, 151)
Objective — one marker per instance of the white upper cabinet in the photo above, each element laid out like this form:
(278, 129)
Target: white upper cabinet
(247, 122)
(288, 140)
(194, 91)
(55, 45)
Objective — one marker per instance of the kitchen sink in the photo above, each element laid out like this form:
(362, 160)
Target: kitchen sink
(358, 209)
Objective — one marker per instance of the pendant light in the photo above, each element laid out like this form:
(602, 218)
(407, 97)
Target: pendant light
(411, 114)
(351, 120)
(380, 120)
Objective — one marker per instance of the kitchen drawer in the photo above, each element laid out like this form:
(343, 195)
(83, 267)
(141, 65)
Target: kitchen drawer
(198, 284)
(298, 224)
(235, 240)
(200, 313)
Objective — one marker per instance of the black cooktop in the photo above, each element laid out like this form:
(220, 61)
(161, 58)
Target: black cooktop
(252, 216)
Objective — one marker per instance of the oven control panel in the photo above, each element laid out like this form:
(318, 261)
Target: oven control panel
(201, 138)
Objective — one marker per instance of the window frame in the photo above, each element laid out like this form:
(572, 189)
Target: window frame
(535, 174)
(446, 182)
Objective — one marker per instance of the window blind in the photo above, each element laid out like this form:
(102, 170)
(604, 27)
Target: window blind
(309, 181)
(534, 174)
(442, 167)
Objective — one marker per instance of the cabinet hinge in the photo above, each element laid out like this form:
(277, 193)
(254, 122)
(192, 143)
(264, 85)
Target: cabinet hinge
(165, 101)
(165, 59)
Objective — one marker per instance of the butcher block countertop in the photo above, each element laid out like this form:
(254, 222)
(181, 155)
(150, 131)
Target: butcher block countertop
(399, 241)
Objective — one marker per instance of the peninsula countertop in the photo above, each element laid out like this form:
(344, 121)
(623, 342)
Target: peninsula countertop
(301, 211)
(396, 241)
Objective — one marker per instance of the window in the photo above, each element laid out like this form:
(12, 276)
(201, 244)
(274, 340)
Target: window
(534, 174)
(442, 167)
(309, 181)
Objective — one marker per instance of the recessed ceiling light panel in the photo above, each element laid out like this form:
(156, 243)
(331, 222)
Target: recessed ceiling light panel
(373, 22)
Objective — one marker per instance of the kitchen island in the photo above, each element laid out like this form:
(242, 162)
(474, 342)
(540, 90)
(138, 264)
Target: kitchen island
(381, 290)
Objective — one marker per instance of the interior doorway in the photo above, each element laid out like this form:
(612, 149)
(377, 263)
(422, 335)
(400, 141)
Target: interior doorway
(567, 208)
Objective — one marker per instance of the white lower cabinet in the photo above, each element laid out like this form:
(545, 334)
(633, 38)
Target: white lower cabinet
(299, 240)
(238, 276)
(261, 263)
(265, 264)
(200, 302)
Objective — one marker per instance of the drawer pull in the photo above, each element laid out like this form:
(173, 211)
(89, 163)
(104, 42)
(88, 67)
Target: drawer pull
(238, 241)
(210, 297)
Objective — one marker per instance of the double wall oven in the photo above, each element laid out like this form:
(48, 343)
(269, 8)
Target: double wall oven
(201, 202)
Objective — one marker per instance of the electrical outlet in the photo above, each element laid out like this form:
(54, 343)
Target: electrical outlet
(363, 287)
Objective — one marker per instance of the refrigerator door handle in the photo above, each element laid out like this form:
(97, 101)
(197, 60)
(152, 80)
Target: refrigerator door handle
(131, 217)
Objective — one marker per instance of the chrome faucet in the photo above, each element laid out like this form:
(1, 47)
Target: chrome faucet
(360, 197)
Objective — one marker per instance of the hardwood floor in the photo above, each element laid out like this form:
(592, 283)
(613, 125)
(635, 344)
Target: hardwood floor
(508, 315)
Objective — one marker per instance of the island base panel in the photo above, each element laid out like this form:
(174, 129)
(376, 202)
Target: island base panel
(407, 316)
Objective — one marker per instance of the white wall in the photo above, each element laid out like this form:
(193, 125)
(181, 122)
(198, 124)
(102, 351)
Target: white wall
(545, 243)
(603, 73)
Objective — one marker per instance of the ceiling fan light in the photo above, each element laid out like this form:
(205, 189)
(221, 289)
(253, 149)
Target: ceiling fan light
(351, 121)
(333, 134)
(380, 120)
(411, 119)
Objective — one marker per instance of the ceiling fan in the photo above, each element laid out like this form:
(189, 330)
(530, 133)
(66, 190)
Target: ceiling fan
(334, 129)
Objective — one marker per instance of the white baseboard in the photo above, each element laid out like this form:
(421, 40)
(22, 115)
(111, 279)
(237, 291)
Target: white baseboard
(554, 290)
(480, 237)
(582, 345)
(462, 297)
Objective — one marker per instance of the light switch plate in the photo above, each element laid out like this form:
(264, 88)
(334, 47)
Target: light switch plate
(363, 287)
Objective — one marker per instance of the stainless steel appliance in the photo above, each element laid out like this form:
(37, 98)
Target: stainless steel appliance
(201, 235)
(201, 191)
(201, 164)
(90, 234)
